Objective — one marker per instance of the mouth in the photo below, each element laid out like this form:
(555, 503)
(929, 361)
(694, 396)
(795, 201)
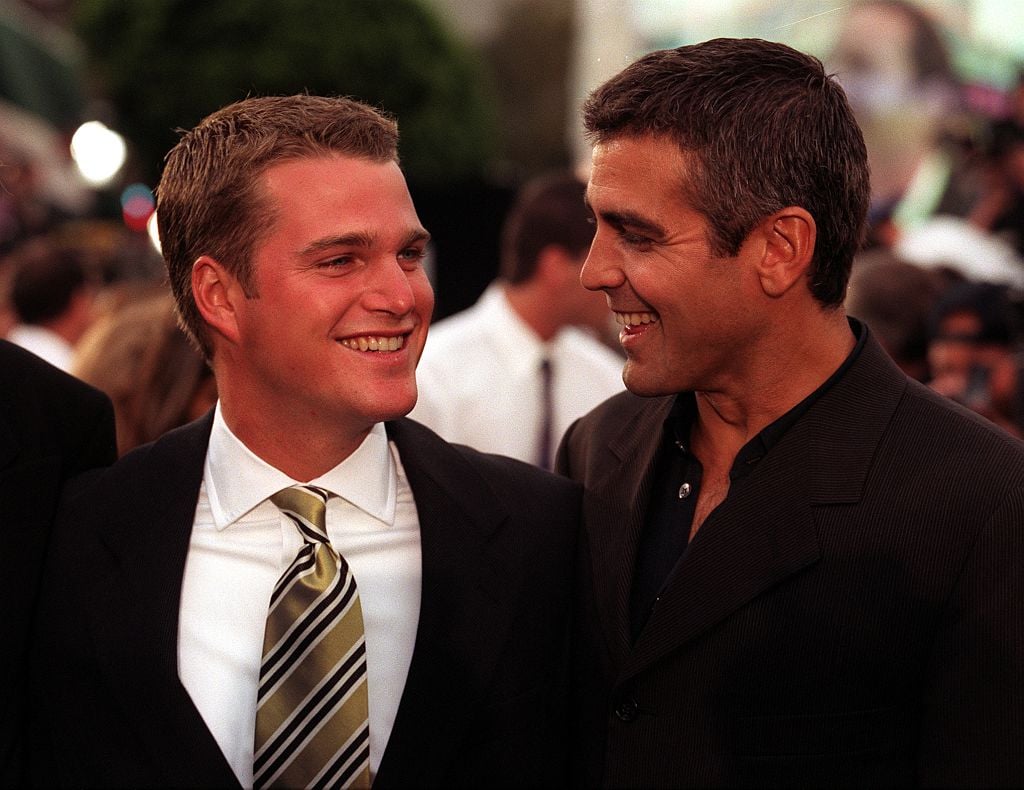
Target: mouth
(634, 320)
(374, 343)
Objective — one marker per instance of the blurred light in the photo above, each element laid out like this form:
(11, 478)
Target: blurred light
(98, 152)
(137, 206)
(154, 234)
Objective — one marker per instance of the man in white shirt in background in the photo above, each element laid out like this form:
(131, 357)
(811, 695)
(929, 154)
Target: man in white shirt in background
(295, 255)
(482, 376)
(52, 298)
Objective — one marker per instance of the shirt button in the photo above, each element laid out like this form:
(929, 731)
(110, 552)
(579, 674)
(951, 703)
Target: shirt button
(684, 490)
(626, 710)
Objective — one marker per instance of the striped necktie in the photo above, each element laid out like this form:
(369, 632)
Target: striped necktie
(312, 727)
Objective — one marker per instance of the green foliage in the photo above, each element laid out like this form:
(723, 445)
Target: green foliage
(167, 63)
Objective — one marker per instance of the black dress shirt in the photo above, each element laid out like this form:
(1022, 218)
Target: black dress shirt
(677, 480)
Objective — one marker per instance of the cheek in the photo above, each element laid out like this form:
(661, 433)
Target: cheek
(423, 294)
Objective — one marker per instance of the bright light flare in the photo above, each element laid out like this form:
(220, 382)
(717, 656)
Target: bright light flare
(99, 152)
(154, 234)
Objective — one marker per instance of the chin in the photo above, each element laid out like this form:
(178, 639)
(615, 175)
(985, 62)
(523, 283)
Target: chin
(645, 386)
(396, 407)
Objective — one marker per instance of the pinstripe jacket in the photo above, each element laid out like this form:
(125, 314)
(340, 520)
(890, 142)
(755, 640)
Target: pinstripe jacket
(852, 614)
(483, 703)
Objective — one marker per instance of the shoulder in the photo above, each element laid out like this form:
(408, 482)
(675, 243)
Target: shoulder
(947, 431)
(591, 351)
(24, 375)
(620, 425)
(143, 476)
(456, 465)
(456, 330)
(47, 413)
(615, 412)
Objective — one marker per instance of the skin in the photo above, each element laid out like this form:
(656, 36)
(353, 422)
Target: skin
(552, 298)
(744, 333)
(342, 261)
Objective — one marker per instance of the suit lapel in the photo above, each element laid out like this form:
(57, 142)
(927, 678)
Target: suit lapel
(462, 625)
(614, 512)
(747, 545)
(147, 539)
(752, 542)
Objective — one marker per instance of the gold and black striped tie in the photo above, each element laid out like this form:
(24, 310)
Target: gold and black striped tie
(312, 727)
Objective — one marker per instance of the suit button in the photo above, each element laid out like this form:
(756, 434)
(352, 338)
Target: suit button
(626, 709)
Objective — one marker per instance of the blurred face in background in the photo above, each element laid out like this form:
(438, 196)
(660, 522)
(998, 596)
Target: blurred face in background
(898, 111)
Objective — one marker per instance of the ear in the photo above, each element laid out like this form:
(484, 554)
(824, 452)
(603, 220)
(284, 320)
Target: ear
(789, 236)
(216, 292)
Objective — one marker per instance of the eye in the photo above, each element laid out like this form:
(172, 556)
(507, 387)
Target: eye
(635, 240)
(337, 261)
(411, 256)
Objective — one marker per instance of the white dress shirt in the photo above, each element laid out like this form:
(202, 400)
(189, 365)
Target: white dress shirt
(44, 343)
(480, 383)
(240, 545)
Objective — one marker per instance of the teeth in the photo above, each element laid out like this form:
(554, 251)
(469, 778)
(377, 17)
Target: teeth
(635, 319)
(370, 343)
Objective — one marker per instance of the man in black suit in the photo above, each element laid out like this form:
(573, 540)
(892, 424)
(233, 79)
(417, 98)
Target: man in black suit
(800, 567)
(52, 426)
(295, 255)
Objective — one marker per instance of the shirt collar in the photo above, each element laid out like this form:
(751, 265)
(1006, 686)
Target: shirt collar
(237, 480)
(520, 347)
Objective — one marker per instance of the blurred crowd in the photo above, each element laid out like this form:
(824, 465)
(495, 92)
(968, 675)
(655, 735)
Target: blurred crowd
(940, 280)
(70, 302)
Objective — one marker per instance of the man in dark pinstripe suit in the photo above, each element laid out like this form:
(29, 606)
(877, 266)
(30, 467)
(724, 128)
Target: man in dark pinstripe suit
(800, 567)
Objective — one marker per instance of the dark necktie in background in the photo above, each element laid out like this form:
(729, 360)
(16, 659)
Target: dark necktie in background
(312, 715)
(544, 450)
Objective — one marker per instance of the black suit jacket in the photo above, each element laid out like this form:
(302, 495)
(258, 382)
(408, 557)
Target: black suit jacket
(51, 427)
(852, 613)
(484, 700)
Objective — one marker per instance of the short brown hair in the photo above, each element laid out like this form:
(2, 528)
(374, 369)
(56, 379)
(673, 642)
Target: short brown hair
(549, 210)
(210, 200)
(764, 128)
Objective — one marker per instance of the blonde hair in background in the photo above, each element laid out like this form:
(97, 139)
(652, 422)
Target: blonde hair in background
(142, 360)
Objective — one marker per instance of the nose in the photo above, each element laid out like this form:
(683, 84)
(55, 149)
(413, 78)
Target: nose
(390, 290)
(600, 270)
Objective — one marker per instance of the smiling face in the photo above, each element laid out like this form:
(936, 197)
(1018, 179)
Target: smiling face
(688, 318)
(332, 339)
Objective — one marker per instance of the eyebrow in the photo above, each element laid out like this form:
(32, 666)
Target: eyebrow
(359, 239)
(626, 219)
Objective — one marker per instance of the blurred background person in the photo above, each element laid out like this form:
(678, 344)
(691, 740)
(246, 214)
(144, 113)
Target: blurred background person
(509, 374)
(895, 65)
(896, 300)
(51, 295)
(1001, 208)
(974, 351)
(142, 360)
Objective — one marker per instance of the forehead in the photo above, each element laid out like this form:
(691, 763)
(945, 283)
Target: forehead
(335, 175)
(631, 171)
(312, 195)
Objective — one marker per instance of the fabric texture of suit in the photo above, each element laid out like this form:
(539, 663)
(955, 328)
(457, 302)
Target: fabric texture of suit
(52, 426)
(850, 615)
(484, 702)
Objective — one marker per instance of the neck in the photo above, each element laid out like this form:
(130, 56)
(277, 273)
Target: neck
(729, 417)
(301, 447)
(534, 308)
(66, 330)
